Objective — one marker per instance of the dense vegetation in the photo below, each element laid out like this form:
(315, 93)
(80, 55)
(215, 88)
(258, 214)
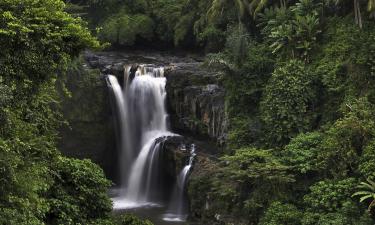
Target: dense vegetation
(299, 150)
(299, 79)
(38, 40)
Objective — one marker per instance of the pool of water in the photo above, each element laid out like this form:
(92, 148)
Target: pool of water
(155, 212)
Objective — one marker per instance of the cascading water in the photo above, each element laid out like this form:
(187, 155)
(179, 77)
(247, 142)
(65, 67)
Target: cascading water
(177, 210)
(142, 119)
(143, 122)
(118, 106)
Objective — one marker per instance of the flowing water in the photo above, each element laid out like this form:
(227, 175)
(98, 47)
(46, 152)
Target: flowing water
(142, 121)
(177, 210)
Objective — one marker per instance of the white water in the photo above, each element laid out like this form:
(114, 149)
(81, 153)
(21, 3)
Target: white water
(121, 115)
(143, 121)
(142, 118)
(144, 112)
(177, 210)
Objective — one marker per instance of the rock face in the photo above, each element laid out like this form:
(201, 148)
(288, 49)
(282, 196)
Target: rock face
(174, 156)
(90, 129)
(196, 102)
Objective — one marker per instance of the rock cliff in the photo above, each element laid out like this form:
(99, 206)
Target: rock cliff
(196, 102)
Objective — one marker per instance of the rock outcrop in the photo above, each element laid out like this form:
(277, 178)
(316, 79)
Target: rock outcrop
(90, 129)
(196, 102)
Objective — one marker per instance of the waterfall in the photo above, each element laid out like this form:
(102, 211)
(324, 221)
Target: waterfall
(119, 108)
(177, 210)
(143, 121)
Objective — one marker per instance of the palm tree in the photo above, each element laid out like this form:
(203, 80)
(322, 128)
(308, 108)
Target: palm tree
(255, 6)
(367, 192)
(371, 7)
(357, 14)
(357, 9)
(250, 7)
(218, 6)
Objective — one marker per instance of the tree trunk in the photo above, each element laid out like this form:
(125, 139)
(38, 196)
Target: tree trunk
(282, 4)
(357, 14)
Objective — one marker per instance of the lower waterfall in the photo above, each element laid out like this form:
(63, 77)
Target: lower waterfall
(142, 120)
(177, 210)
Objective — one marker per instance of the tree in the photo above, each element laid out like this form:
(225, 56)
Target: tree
(292, 32)
(79, 193)
(287, 102)
(124, 29)
(243, 7)
(281, 213)
(329, 203)
(357, 9)
(38, 39)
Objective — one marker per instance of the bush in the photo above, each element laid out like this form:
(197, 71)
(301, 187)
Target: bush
(279, 213)
(79, 193)
(124, 29)
(330, 202)
(246, 180)
(129, 219)
(367, 161)
(287, 102)
(302, 152)
(345, 140)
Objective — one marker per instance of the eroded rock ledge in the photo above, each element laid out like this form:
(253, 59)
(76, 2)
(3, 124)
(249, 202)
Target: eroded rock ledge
(196, 102)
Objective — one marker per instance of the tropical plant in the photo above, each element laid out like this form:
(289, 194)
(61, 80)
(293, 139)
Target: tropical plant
(293, 31)
(243, 7)
(367, 193)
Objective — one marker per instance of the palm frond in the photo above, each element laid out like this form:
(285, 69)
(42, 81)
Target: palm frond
(367, 191)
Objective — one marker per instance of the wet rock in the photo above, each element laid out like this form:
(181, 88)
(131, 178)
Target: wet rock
(175, 155)
(196, 102)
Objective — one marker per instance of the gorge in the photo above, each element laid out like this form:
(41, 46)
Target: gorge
(150, 164)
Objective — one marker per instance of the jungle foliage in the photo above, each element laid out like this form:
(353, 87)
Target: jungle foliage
(38, 41)
(299, 79)
(299, 96)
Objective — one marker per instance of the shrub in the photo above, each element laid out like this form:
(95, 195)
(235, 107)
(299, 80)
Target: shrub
(79, 193)
(286, 102)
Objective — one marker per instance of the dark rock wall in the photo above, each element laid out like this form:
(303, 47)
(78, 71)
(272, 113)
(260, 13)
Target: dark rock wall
(90, 129)
(196, 102)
